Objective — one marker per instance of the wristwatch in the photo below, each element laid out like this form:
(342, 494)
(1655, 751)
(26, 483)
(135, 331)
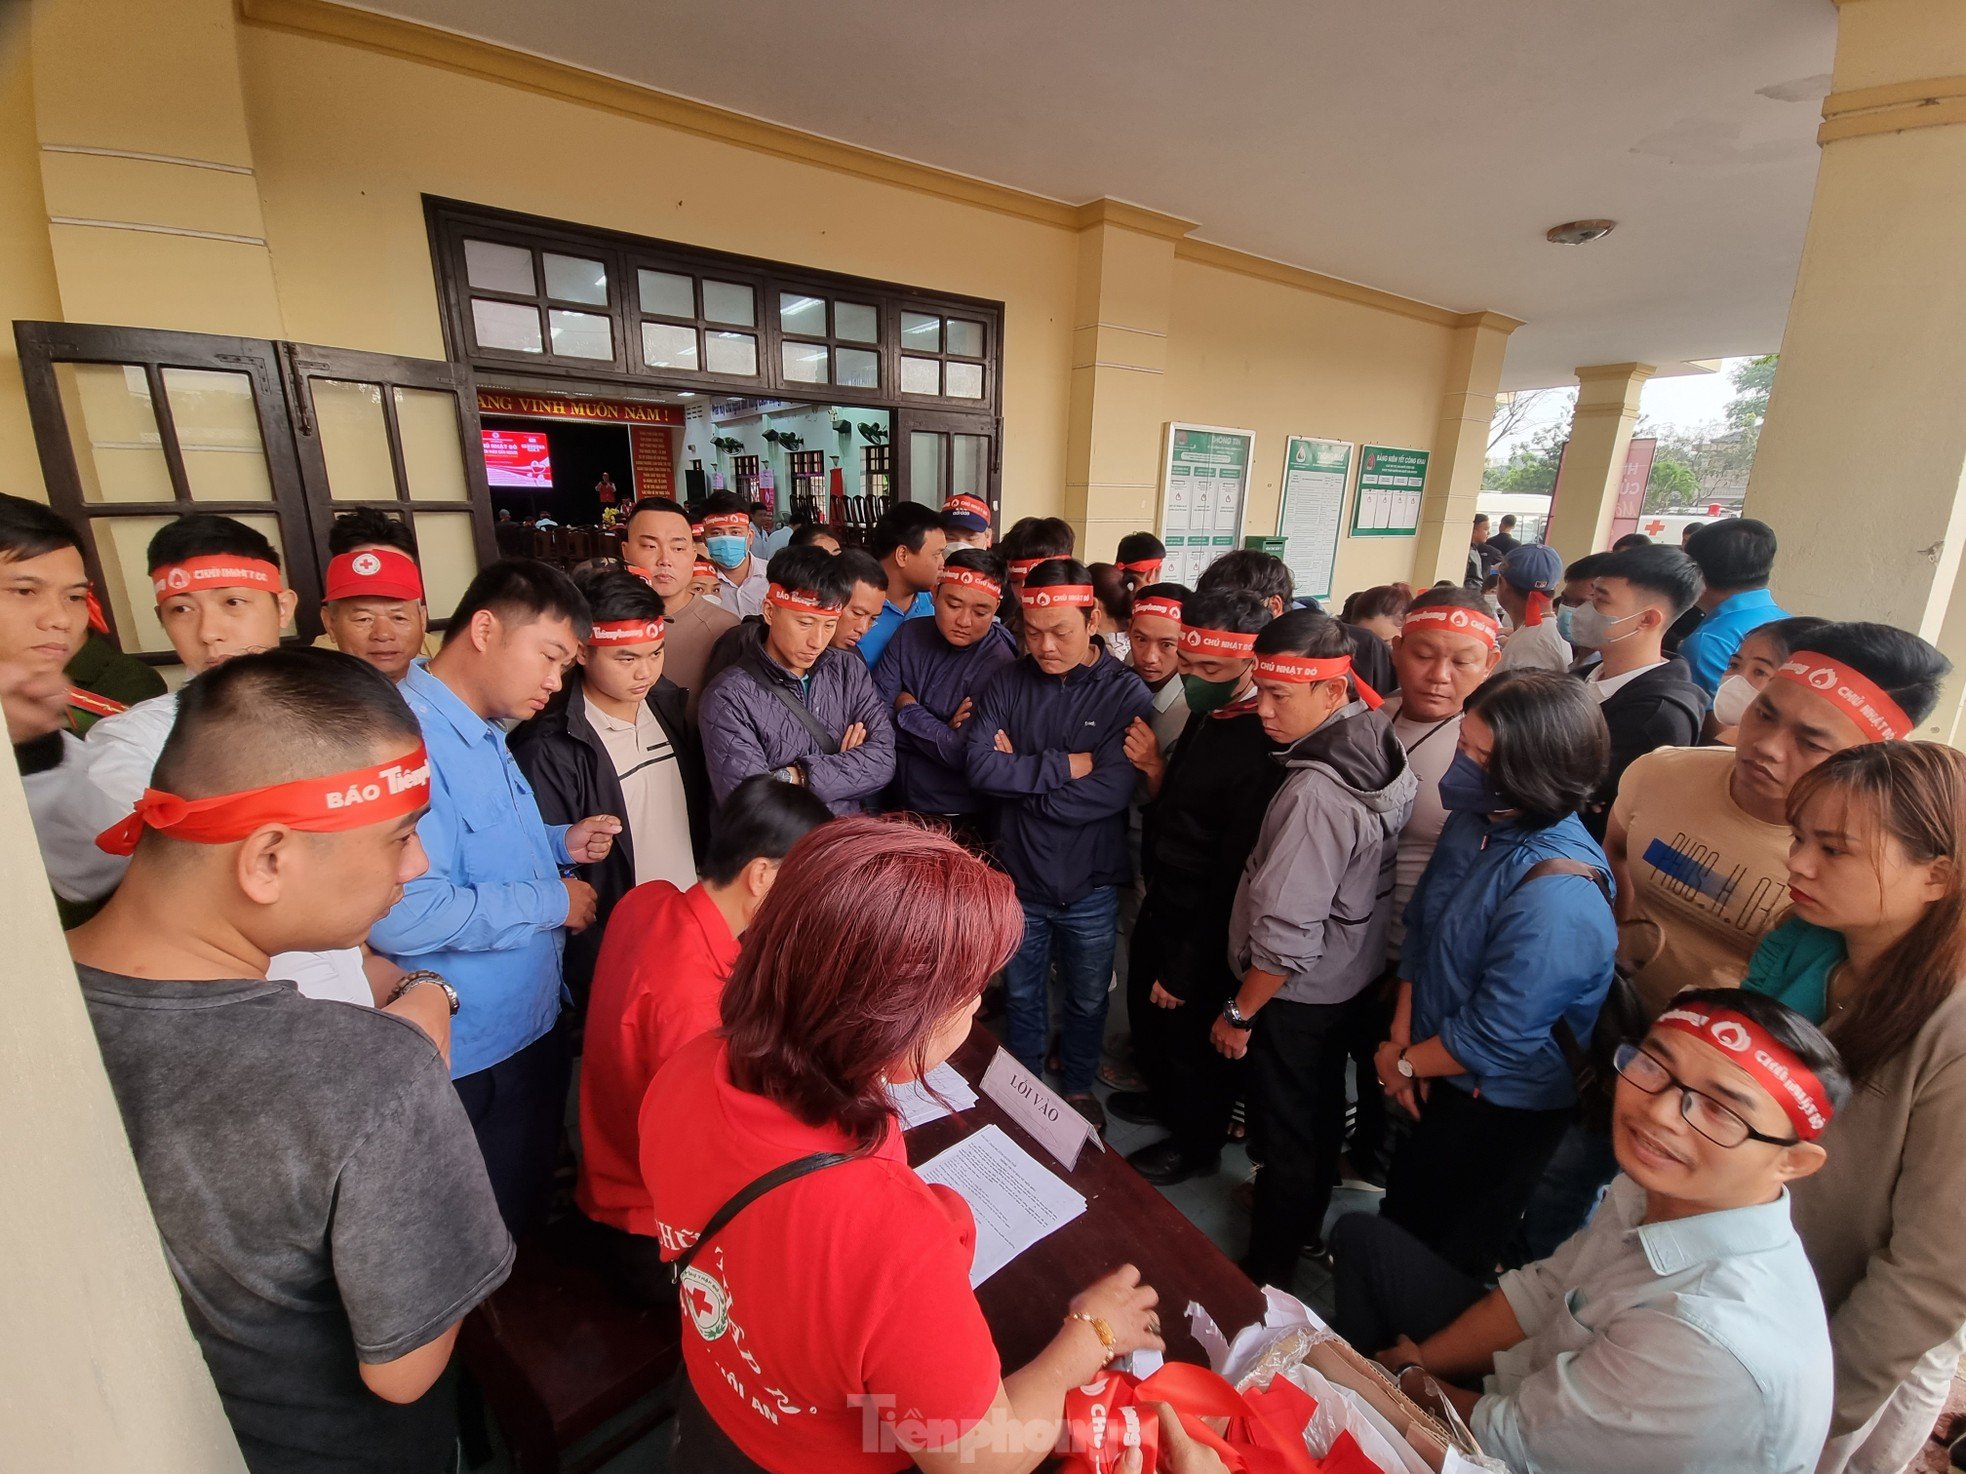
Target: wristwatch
(1236, 1017)
(420, 977)
(1405, 1065)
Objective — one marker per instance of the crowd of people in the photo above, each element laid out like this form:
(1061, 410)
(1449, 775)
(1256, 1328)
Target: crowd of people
(1605, 917)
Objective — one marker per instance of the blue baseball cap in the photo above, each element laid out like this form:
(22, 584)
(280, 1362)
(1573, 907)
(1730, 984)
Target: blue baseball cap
(1533, 568)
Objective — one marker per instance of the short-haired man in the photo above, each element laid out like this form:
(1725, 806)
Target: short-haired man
(1579, 583)
(1308, 930)
(864, 604)
(1648, 698)
(791, 705)
(909, 541)
(1681, 1331)
(1481, 557)
(615, 740)
(1047, 741)
(1526, 584)
(1139, 558)
(373, 607)
(1268, 576)
(661, 974)
(811, 535)
(661, 547)
(966, 520)
(741, 579)
(1029, 542)
(930, 676)
(1503, 540)
(314, 1181)
(1736, 558)
(490, 911)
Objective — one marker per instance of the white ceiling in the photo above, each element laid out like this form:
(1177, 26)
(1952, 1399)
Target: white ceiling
(1420, 146)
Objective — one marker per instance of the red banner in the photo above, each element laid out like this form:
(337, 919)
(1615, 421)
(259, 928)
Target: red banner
(567, 407)
(1631, 489)
(655, 470)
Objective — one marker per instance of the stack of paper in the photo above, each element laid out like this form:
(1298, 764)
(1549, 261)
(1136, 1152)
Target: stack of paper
(917, 1107)
(1015, 1199)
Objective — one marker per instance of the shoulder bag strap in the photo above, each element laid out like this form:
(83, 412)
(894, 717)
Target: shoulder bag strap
(1567, 867)
(748, 1195)
(828, 743)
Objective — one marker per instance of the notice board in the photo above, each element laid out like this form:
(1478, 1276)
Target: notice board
(1391, 483)
(1204, 488)
(1315, 477)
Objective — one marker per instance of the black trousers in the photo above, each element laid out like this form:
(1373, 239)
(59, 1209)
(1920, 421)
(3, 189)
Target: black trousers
(518, 1109)
(1184, 947)
(1460, 1181)
(1367, 1026)
(700, 1446)
(630, 1263)
(1388, 1284)
(1297, 1101)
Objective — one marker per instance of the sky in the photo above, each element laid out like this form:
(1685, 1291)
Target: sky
(1678, 403)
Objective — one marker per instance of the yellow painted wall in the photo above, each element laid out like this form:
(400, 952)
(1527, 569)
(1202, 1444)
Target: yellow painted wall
(27, 268)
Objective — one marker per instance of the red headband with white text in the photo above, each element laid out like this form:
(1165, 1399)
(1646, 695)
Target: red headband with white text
(799, 601)
(1307, 670)
(1877, 716)
(1020, 568)
(1774, 1066)
(971, 578)
(1454, 621)
(1059, 596)
(727, 522)
(1157, 607)
(971, 505)
(327, 805)
(1146, 569)
(1235, 644)
(215, 571)
(627, 632)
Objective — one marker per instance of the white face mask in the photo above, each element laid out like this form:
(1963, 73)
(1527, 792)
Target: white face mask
(1732, 700)
(1592, 628)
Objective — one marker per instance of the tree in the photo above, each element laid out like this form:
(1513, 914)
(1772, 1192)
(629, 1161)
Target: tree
(1752, 381)
(1530, 469)
(1513, 410)
(1671, 485)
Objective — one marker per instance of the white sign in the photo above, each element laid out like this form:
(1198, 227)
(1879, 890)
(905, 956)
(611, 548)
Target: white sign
(1205, 471)
(1032, 1104)
(1315, 473)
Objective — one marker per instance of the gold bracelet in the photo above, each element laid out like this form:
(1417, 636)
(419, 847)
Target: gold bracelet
(1103, 1331)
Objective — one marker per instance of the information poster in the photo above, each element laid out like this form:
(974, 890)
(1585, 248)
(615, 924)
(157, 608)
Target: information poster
(1315, 474)
(1204, 485)
(1390, 484)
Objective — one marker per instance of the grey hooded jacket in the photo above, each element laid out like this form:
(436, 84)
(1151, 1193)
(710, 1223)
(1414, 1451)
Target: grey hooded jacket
(1316, 893)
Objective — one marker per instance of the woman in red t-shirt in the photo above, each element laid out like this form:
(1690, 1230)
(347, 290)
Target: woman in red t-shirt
(830, 1325)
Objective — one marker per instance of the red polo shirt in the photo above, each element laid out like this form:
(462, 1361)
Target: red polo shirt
(830, 1325)
(657, 984)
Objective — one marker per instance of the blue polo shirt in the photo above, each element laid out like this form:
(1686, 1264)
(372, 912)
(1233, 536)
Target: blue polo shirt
(490, 913)
(1708, 649)
(890, 619)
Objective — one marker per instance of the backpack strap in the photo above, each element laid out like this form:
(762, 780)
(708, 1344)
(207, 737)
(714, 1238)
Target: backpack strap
(1566, 867)
(748, 1195)
(828, 743)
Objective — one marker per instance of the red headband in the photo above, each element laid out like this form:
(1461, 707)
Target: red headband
(1774, 1066)
(1455, 621)
(1879, 717)
(97, 620)
(1060, 596)
(970, 578)
(1145, 567)
(703, 568)
(217, 571)
(1307, 670)
(1159, 608)
(318, 805)
(736, 520)
(803, 601)
(1199, 641)
(627, 632)
(974, 506)
(1020, 568)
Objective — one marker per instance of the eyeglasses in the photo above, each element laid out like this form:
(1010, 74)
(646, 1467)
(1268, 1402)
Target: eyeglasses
(1719, 1124)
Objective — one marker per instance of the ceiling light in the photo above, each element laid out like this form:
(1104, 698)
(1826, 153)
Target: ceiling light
(1579, 232)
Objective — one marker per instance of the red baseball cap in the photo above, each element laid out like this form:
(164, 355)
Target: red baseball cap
(374, 573)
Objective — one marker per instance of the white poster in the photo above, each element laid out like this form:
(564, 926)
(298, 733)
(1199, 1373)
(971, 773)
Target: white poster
(1315, 475)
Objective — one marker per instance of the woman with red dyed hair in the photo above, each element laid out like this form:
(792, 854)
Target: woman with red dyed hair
(831, 1325)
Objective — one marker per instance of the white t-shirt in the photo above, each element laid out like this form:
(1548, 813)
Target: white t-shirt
(1430, 748)
(1535, 647)
(1604, 689)
(335, 976)
(656, 810)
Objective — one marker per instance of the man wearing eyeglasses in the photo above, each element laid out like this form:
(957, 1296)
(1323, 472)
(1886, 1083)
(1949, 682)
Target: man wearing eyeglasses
(1682, 1329)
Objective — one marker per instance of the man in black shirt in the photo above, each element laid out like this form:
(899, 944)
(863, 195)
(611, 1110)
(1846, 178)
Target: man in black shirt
(317, 1188)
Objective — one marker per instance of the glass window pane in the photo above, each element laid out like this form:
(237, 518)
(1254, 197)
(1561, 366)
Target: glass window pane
(433, 453)
(725, 301)
(801, 315)
(448, 554)
(665, 345)
(856, 322)
(857, 368)
(667, 294)
(730, 353)
(576, 279)
(921, 376)
(120, 544)
(513, 326)
(969, 472)
(805, 363)
(218, 435)
(354, 440)
(926, 450)
(965, 338)
(499, 268)
(921, 331)
(581, 334)
(963, 380)
(118, 451)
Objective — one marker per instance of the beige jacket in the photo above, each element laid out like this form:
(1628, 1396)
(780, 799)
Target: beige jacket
(1883, 1222)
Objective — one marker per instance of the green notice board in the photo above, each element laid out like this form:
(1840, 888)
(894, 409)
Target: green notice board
(1315, 473)
(1391, 482)
(1204, 486)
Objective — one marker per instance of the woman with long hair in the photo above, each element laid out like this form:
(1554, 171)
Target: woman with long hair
(829, 1321)
(1874, 949)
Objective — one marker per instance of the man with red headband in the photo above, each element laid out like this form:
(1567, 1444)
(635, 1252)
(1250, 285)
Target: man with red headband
(661, 548)
(1530, 578)
(372, 603)
(1682, 1331)
(321, 1203)
(1307, 935)
(741, 576)
(967, 520)
(791, 705)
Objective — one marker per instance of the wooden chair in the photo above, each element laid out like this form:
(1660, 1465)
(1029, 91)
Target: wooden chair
(558, 1357)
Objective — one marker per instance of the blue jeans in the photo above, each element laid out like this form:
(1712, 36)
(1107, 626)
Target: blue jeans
(1573, 1184)
(1083, 933)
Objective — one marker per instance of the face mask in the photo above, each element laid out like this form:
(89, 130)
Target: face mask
(1732, 700)
(1465, 788)
(1593, 629)
(1565, 613)
(725, 550)
(1207, 696)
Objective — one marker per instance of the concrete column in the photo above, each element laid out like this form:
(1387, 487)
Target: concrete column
(1863, 453)
(1460, 448)
(1594, 462)
(1119, 367)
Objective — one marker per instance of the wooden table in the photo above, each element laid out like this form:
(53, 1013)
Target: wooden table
(1126, 1221)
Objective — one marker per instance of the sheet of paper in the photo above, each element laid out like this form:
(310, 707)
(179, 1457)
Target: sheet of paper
(918, 1106)
(1015, 1199)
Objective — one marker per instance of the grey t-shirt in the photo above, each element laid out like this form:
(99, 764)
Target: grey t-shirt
(321, 1199)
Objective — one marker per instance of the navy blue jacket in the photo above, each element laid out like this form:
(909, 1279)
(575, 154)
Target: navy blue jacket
(1060, 837)
(930, 766)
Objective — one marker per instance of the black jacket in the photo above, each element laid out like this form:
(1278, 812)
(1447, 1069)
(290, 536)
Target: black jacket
(1661, 708)
(572, 775)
